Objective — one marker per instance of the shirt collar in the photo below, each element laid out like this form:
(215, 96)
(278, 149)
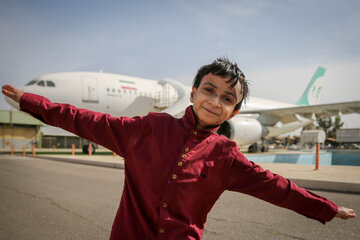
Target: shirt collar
(189, 121)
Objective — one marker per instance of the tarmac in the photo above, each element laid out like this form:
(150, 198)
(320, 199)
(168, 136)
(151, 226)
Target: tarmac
(328, 178)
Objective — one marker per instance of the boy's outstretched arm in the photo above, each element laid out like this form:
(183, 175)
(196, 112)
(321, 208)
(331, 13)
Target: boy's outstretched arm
(345, 213)
(12, 92)
(101, 128)
(247, 177)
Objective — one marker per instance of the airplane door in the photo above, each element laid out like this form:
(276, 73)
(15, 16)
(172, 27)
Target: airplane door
(90, 90)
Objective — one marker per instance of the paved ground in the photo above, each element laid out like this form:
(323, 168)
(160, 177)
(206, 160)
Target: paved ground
(42, 199)
(329, 178)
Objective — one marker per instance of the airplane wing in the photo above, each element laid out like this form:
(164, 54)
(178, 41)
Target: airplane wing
(178, 108)
(288, 114)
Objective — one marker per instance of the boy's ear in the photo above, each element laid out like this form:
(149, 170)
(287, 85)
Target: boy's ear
(192, 94)
(232, 115)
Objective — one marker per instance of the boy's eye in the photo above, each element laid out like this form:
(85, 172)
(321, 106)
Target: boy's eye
(228, 99)
(208, 90)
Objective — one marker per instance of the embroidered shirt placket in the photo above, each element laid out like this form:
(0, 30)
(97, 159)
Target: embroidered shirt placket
(173, 182)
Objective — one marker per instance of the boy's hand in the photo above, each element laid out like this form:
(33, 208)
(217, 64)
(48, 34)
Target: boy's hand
(345, 213)
(12, 92)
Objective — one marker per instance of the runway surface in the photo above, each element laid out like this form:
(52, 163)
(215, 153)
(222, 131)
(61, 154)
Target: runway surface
(43, 199)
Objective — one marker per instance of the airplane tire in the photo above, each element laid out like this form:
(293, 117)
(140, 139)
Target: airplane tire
(264, 148)
(253, 148)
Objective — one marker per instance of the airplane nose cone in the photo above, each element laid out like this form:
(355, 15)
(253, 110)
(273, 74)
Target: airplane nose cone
(12, 103)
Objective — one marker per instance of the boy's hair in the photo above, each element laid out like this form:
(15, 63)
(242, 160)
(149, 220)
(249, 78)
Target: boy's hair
(224, 68)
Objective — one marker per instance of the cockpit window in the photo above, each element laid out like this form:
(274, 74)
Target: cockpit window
(50, 84)
(41, 83)
(32, 82)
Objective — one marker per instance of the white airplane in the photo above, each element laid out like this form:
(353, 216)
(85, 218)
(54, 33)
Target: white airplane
(121, 95)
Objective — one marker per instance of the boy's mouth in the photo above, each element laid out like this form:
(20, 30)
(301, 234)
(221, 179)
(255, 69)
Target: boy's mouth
(211, 112)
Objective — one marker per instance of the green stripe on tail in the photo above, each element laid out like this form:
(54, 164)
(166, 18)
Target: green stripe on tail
(312, 92)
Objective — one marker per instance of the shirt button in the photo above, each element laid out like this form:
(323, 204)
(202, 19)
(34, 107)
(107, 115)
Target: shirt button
(187, 149)
(164, 204)
(180, 164)
(161, 230)
(174, 176)
(184, 156)
(195, 132)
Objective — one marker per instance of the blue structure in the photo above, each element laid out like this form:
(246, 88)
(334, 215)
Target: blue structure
(348, 157)
(338, 157)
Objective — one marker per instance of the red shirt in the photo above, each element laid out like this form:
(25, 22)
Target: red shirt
(174, 173)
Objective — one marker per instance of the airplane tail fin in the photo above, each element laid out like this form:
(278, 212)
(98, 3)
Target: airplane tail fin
(312, 92)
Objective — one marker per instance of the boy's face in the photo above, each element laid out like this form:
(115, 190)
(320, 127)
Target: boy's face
(213, 101)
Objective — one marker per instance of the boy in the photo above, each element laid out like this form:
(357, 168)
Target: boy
(176, 169)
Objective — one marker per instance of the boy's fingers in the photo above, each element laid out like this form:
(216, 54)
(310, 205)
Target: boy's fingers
(352, 213)
(12, 92)
(7, 89)
(345, 213)
(7, 86)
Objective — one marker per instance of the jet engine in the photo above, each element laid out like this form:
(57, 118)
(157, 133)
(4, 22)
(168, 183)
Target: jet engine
(242, 130)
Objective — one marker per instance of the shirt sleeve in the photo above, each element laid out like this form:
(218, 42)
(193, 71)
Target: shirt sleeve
(114, 133)
(247, 177)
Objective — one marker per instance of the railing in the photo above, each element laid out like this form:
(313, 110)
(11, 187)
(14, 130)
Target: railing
(165, 98)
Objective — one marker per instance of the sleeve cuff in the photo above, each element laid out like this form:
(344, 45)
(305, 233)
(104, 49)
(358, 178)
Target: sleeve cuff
(328, 212)
(30, 102)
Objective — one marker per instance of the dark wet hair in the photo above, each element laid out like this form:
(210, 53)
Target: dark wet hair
(224, 68)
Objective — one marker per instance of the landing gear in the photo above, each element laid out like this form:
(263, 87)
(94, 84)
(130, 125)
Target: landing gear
(256, 147)
(264, 148)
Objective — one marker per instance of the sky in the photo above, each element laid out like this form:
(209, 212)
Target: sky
(278, 44)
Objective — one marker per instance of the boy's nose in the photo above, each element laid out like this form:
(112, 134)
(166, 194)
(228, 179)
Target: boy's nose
(215, 101)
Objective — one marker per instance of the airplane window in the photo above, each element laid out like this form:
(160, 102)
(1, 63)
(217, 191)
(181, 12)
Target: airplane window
(107, 89)
(32, 82)
(119, 91)
(41, 83)
(50, 84)
(113, 89)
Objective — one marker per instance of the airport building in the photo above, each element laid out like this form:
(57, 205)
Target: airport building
(348, 137)
(19, 129)
(53, 137)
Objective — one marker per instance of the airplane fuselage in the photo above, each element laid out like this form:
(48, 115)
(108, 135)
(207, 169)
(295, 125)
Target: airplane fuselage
(116, 94)
(121, 95)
